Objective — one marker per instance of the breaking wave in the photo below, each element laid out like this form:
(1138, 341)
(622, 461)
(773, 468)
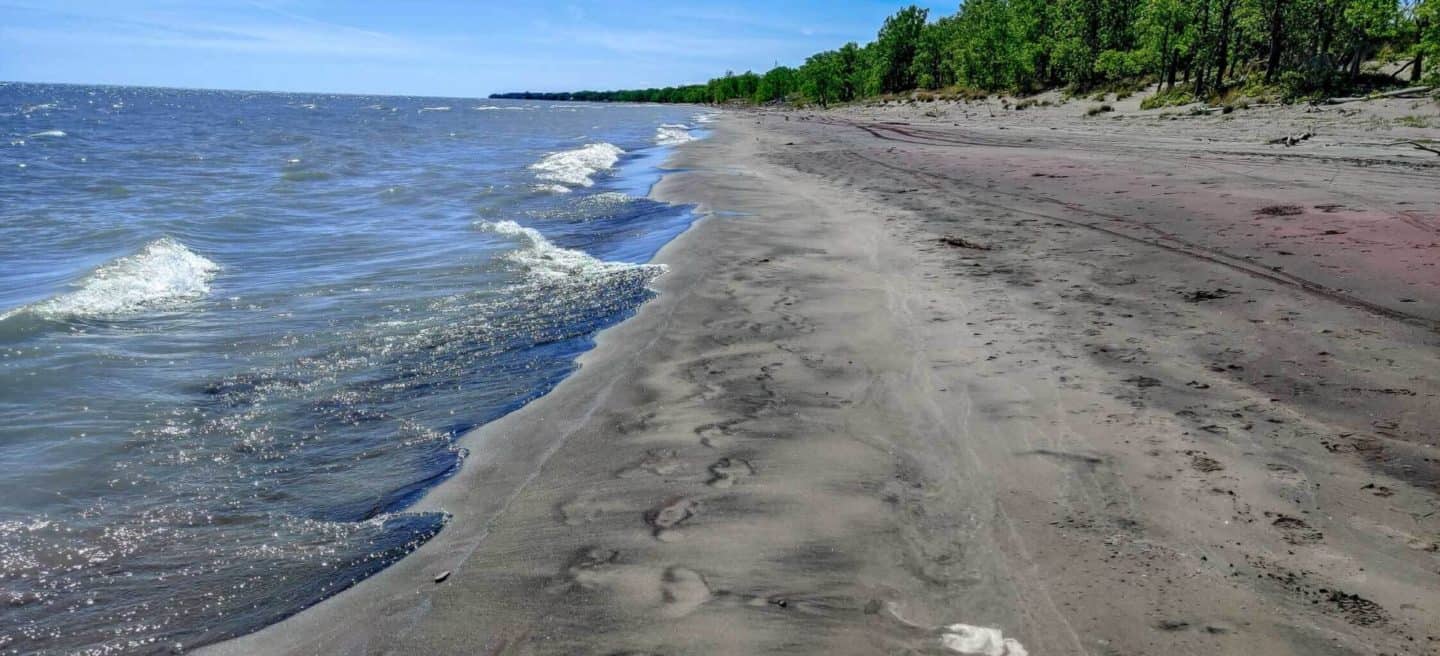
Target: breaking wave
(163, 274)
(574, 167)
(673, 134)
(543, 261)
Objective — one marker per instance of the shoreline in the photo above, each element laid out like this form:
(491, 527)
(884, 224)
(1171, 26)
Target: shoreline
(488, 474)
(958, 389)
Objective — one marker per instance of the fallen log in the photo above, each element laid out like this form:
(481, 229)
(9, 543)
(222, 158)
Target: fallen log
(1399, 93)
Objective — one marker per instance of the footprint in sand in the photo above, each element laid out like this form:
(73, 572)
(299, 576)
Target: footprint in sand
(727, 471)
(586, 508)
(1293, 485)
(1295, 530)
(666, 518)
(671, 592)
(716, 436)
(657, 462)
(682, 591)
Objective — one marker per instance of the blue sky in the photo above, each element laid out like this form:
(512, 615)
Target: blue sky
(420, 47)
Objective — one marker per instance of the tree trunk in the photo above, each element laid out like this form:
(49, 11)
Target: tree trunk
(1415, 73)
(1277, 40)
(1227, 8)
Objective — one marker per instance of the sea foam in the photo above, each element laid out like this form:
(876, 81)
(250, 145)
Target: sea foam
(163, 274)
(546, 262)
(673, 134)
(574, 167)
(47, 133)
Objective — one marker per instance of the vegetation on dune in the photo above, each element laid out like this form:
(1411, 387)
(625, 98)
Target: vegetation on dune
(1195, 49)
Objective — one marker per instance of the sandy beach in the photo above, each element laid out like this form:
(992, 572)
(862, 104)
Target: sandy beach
(948, 378)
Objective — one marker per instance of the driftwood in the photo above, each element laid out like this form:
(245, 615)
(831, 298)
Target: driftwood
(1416, 144)
(1291, 140)
(961, 242)
(1399, 93)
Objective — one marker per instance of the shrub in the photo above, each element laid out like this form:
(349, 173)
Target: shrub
(1169, 98)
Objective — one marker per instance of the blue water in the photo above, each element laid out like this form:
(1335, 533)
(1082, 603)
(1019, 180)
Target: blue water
(240, 333)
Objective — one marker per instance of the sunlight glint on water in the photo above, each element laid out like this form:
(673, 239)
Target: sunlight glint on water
(240, 333)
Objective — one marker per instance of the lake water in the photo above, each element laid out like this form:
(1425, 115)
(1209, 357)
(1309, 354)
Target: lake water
(240, 333)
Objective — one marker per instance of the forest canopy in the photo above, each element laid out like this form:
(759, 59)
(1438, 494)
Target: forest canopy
(1193, 48)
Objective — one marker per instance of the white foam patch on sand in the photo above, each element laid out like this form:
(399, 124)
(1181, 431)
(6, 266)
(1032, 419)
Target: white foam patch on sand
(545, 261)
(574, 167)
(672, 134)
(163, 274)
(981, 640)
(705, 117)
(47, 133)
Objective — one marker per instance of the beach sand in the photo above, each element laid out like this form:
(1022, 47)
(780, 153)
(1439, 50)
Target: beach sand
(930, 381)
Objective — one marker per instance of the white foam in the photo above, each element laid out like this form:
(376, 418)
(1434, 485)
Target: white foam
(574, 167)
(672, 134)
(47, 133)
(434, 109)
(705, 117)
(981, 640)
(552, 188)
(546, 262)
(163, 274)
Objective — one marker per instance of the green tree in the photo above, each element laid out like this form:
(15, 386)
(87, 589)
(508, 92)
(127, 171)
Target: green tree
(895, 48)
(820, 78)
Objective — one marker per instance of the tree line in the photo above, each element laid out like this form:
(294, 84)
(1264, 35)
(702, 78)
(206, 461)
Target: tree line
(1197, 48)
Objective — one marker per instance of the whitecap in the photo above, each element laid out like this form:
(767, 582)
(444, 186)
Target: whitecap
(672, 134)
(46, 133)
(434, 109)
(551, 188)
(162, 275)
(574, 167)
(546, 262)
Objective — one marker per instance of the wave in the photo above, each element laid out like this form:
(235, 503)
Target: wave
(162, 275)
(546, 262)
(46, 133)
(551, 188)
(434, 109)
(42, 107)
(673, 134)
(574, 167)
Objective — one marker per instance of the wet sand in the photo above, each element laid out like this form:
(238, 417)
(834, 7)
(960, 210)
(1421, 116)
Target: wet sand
(925, 385)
